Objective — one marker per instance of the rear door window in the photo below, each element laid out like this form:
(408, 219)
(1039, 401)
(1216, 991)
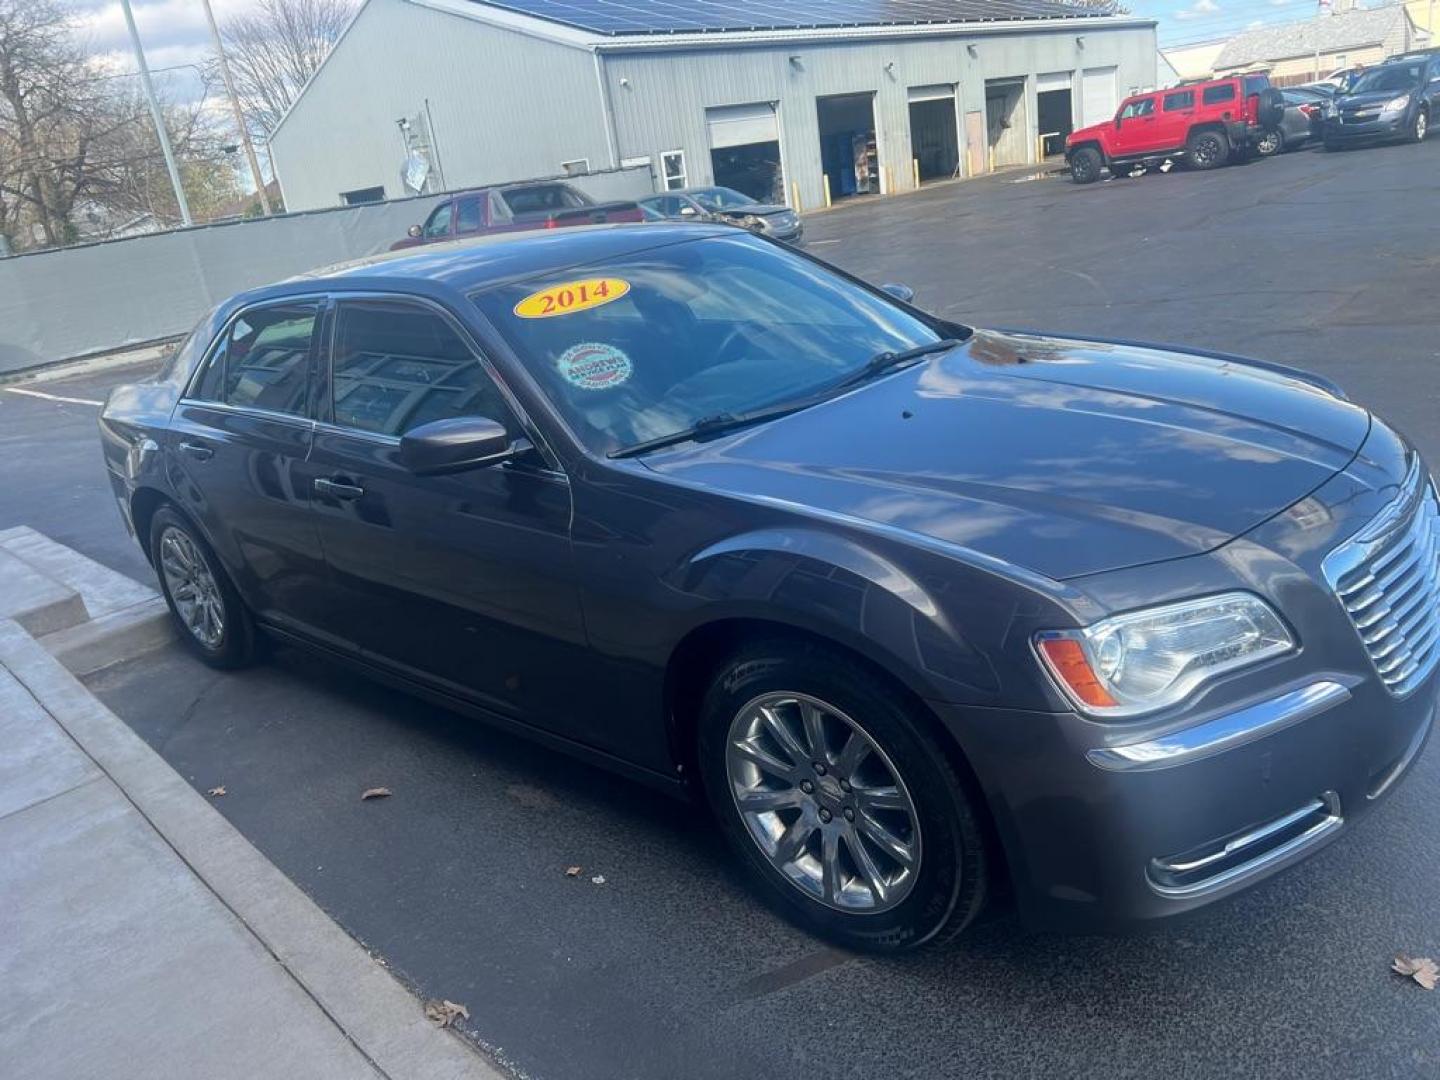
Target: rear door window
(264, 360)
(1181, 99)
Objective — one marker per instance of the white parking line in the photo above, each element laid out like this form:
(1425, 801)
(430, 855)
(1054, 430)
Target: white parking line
(51, 397)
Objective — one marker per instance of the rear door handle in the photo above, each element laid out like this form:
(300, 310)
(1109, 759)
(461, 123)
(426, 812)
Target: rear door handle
(199, 451)
(338, 488)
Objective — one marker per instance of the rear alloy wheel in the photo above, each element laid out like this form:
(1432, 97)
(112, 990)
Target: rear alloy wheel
(1270, 143)
(1207, 150)
(1085, 165)
(211, 618)
(845, 812)
(1420, 126)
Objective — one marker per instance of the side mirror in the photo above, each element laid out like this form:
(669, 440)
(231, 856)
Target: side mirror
(687, 211)
(413, 231)
(903, 293)
(457, 444)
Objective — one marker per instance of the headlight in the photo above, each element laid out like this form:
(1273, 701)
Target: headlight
(1146, 660)
(752, 221)
(1396, 104)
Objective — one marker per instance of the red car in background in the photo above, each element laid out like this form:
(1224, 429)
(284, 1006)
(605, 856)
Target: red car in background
(545, 204)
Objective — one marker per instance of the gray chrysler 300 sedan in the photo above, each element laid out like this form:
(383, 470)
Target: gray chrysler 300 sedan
(918, 608)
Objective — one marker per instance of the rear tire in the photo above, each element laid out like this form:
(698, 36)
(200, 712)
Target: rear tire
(1085, 165)
(1207, 150)
(1270, 143)
(877, 848)
(209, 615)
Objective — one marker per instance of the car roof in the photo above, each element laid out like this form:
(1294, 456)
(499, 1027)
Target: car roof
(471, 264)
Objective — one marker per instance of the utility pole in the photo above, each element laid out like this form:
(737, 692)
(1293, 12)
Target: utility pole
(235, 107)
(156, 114)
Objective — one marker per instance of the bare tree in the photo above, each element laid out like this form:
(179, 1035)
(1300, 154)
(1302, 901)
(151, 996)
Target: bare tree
(275, 48)
(78, 149)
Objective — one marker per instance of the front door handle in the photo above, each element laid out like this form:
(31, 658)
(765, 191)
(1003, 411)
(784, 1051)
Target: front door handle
(338, 488)
(199, 451)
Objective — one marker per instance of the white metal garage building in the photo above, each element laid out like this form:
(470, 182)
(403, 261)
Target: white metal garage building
(779, 98)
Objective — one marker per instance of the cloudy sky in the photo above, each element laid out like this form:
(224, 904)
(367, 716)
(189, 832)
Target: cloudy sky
(173, 32)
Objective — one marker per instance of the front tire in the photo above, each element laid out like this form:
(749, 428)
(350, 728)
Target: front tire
(209, 615)
(1419, 127)
(1085, 165)
(845, 812)
(1207, 150)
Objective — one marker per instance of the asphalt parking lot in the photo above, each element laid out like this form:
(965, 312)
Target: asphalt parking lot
(669, 968)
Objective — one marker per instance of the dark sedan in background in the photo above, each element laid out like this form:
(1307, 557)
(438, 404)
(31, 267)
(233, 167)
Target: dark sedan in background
(920, 610)
(727, 205)
(1395, 101)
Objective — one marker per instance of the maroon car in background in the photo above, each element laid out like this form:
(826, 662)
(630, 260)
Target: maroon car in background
(514, 208)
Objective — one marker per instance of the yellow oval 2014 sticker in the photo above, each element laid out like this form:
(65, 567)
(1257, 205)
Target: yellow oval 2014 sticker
(571, 296)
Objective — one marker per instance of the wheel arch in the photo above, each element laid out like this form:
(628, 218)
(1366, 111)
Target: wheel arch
(701, 652)
(145, 502)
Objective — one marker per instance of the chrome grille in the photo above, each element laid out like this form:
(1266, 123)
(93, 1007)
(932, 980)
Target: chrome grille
(1388, 578)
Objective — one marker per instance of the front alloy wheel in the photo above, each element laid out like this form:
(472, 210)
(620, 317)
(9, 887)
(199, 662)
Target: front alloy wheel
(1420, 127)
(823, 802)
(834, 789)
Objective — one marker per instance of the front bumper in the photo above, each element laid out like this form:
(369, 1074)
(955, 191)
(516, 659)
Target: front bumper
(1392, 127)
(1101, 830)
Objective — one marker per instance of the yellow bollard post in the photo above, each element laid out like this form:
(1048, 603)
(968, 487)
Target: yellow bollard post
(826, 178)
(795, 195)
(915, 171)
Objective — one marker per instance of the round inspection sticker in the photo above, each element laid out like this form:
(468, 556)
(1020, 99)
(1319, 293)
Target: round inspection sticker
(594, 365)
(571, 296)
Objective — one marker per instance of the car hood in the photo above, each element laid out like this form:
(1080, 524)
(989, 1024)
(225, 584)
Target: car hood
(1370, 100)
(1064, 457)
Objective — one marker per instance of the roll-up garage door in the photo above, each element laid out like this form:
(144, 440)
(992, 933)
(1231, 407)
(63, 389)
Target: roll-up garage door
(742, 125)
(1052, 80)
(937, 92)
(1097, 94)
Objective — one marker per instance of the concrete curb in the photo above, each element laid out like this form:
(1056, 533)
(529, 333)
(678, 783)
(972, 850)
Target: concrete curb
(111, 639)
(378, 1015)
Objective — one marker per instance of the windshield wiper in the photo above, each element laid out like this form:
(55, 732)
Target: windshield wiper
(718, 424)
(886, 361)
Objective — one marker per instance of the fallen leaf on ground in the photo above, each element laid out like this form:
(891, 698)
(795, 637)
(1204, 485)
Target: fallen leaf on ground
(445, 1013)
(216, 792)
(376, 793)
(1420, 968)
(573, 871)
(598, 879)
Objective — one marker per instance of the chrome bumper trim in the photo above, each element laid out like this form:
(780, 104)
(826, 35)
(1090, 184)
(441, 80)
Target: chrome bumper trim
(1224, 732)
(1325, 809)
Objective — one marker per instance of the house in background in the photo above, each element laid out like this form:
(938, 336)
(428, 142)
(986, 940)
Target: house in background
(1196, 61)
(1308, 50)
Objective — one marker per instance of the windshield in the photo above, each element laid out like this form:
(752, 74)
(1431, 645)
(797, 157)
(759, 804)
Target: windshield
(1388, 79)
(721, 198)
(644, 346)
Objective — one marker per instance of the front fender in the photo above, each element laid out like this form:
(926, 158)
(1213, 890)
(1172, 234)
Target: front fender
(834, 586)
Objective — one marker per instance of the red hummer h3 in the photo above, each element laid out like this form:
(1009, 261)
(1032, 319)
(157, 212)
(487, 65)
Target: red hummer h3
(1204, 124)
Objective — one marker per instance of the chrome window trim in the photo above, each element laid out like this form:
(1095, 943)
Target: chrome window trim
(532, 432)
(247, 410)
(1224, 732)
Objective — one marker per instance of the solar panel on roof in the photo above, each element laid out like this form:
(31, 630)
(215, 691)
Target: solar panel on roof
(614, 17)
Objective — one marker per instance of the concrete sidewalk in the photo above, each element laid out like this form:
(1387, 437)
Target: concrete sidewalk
(142, 936)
